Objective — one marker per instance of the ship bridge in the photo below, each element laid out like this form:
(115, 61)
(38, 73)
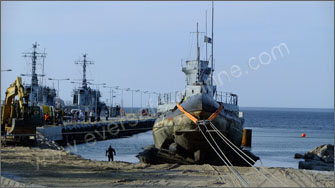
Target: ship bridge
(198, 75)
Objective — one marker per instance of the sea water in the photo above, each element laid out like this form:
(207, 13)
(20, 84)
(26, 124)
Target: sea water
(276, 136)
(276, 133)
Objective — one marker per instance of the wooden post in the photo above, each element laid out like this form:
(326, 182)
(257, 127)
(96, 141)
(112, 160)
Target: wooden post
(246, 138)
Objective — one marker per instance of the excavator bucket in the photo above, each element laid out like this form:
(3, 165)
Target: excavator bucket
(22, 128)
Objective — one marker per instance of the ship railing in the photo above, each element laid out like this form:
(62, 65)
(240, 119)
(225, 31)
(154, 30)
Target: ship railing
(226, 97)
(175, 97)
(171, 97)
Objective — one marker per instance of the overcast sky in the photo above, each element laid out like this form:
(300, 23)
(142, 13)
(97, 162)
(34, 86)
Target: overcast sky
(140, 45)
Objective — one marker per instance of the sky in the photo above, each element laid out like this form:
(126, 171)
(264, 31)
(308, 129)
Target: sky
(140, 45)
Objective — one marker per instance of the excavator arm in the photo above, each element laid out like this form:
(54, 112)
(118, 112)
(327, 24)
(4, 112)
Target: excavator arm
(13, 90)
(18, 119)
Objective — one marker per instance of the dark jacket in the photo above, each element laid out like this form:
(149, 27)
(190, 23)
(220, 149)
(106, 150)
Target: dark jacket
(110, 151)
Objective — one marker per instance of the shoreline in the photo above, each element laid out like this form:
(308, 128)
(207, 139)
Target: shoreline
(49, 167)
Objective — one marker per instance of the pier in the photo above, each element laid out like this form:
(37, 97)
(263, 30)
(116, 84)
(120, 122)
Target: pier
(38, 107)
(85, 132)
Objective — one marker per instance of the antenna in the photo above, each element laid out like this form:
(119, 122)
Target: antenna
(212, 63)
(84, 62)
(206, 36)
(198, 48)
(43, 69)
(198, 52)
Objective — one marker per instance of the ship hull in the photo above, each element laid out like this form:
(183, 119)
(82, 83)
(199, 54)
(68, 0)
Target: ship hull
(173, 130)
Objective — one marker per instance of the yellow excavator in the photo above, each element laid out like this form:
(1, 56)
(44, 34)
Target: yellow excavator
(18, 119)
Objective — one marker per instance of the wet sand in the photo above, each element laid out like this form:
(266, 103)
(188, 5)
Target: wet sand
(47, 167)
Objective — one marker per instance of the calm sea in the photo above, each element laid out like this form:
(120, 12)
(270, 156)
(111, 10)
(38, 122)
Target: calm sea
(276, 136)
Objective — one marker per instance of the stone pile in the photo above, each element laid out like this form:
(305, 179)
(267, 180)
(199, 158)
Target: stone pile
(320, 158)
(44, 143)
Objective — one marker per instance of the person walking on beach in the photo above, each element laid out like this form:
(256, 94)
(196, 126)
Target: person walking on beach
(110, 152)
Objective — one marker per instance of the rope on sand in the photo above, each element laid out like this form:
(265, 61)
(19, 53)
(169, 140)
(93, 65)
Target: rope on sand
(233, 147)
(242, 181)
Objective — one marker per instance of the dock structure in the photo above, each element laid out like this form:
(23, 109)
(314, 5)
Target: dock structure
(85, 132)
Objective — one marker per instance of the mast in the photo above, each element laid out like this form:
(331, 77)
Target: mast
(34, 80)
(198, 52)
(212, 59)
(42, 81)
(84, 62)
(34, 55)
(198, 48)
(198, 61)
(84, 71)
(206, 36)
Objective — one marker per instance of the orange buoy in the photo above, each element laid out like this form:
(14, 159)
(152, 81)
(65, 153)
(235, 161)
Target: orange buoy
(303, 135)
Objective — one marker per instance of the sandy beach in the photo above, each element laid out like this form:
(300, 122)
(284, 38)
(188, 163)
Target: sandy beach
(47, 167)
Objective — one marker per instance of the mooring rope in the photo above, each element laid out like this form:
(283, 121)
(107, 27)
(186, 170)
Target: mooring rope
(232, 172)
(232, 145)
(230, 167)
(219, 174)
(240, 155)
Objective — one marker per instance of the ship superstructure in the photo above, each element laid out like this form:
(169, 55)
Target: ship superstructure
(38, 94)
(84, 97)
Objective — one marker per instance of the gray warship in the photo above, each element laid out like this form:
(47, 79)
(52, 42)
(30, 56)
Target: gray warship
(39, 94)
(176, 132)
(85, 98)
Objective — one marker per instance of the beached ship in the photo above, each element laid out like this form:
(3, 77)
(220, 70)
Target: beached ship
(180, 130)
